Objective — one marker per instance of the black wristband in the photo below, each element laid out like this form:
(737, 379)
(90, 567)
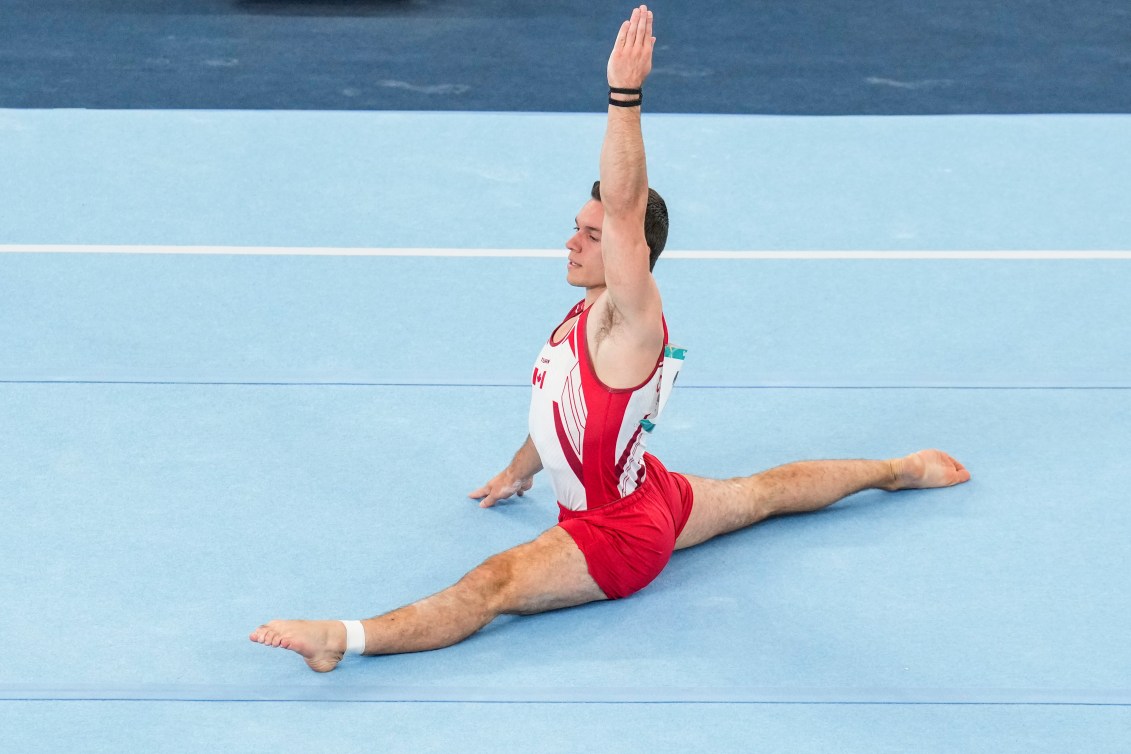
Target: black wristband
(625, 103)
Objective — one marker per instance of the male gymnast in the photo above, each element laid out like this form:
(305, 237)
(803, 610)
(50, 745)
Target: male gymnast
(599, 384)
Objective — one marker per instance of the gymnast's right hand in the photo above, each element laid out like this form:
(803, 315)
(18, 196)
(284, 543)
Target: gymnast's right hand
(501, 487)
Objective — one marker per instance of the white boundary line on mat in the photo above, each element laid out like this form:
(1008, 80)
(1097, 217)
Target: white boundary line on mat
(548, 253)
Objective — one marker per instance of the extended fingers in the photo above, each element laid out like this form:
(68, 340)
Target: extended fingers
(492, 493)
(622, 35)
(487, 496)
(643, 19)
(637, 30)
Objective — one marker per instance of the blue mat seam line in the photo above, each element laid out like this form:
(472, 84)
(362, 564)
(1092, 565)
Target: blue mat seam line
(521, 385)
(237, 700)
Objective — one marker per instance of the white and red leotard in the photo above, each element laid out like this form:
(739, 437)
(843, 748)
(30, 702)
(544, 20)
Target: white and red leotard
(621, 506)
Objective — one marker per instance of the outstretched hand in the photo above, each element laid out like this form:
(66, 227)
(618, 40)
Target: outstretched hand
(631, 59)
(500, 488)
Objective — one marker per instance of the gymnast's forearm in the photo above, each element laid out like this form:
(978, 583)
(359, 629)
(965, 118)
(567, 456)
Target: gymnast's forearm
(624, 175)
(526, 462)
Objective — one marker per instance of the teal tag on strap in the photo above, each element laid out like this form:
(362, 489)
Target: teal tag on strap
(674, 352)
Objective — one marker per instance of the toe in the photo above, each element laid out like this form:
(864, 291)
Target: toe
(960, 472)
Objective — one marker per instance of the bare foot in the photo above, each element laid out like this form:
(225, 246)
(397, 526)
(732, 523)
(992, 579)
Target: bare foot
(322, 643)
(925, 469)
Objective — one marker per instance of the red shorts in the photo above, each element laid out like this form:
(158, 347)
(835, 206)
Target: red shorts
(628, 542)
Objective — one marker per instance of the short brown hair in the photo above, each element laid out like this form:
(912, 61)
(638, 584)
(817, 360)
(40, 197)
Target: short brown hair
(655, 222)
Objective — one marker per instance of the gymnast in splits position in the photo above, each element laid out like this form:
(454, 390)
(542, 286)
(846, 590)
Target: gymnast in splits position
(598, 387)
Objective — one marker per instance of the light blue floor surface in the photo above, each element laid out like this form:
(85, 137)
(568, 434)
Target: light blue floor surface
(482, 180)
(191, 445)
(639, 728)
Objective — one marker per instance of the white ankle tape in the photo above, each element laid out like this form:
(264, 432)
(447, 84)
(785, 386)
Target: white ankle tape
(355, 637)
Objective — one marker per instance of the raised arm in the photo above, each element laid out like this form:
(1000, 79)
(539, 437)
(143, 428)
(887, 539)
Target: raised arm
(624, 184)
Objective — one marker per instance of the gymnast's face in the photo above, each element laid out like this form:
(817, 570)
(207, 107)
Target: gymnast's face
(586, 267)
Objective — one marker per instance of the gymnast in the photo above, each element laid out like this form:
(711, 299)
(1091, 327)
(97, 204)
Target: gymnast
(599, 385)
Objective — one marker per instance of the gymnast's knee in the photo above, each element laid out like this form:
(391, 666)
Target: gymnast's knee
(492, 583)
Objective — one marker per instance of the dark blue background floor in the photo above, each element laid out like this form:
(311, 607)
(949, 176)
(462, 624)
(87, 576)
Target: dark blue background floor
(798, 57)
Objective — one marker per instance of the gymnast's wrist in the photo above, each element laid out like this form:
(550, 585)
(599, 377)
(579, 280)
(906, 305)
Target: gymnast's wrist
(625, 96)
